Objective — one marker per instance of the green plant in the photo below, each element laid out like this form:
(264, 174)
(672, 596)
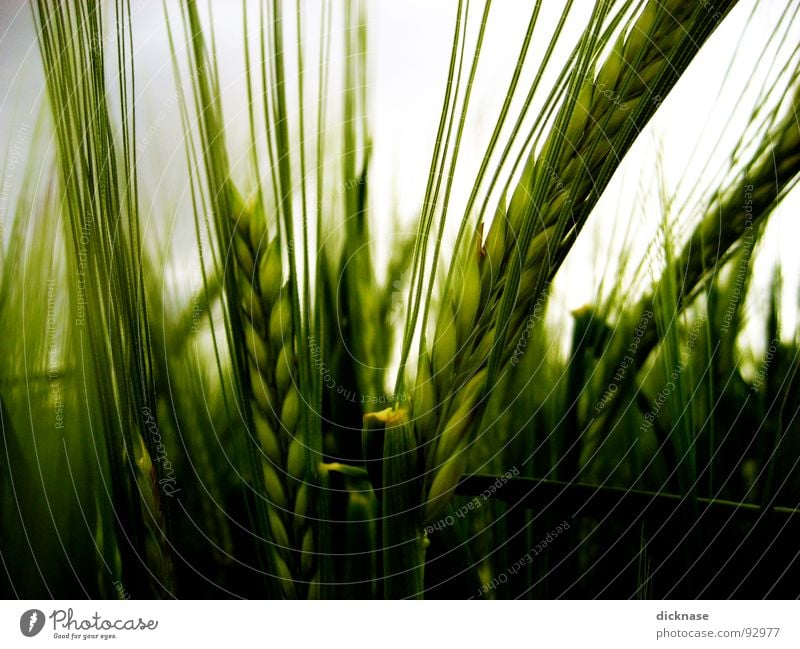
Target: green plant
(237, 436)
(489, 299)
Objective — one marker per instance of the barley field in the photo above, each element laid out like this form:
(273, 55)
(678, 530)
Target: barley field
(365, 300)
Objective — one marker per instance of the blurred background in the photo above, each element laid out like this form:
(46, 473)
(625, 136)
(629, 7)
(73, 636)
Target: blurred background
(685, 146)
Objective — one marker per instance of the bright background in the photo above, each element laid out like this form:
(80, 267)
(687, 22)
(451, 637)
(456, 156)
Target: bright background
(409, 49)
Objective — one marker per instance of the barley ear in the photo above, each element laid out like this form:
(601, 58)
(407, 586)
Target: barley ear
(464, 412)
(495, 244)
(445, 482)
(424, 402)
(269, 339)
(468, 289)
(445, 347)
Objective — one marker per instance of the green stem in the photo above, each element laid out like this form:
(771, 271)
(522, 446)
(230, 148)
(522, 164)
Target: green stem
(403, 542)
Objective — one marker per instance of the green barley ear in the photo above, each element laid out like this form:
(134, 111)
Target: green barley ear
(280, 321)
(640, 33)
(244, 256)
(269, 340)
(272, 313)
(445, 481)
(285, 368)
(465, 410)
(591, 122)
(267, 437)
(611, 69)
(276, 410)
(270, 273)
(723, 230)
(447, 460)
(467, 288)
(424, 401)
(580, 113)
(445, 346)
(495, 246)
(521, 199)
(456, 319)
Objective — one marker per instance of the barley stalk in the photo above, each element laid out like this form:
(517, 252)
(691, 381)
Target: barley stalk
(500, 281)
(70, 41)
(727, 226)
(729, 219)
(157, 549)
(276, 401)
(389, 434)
